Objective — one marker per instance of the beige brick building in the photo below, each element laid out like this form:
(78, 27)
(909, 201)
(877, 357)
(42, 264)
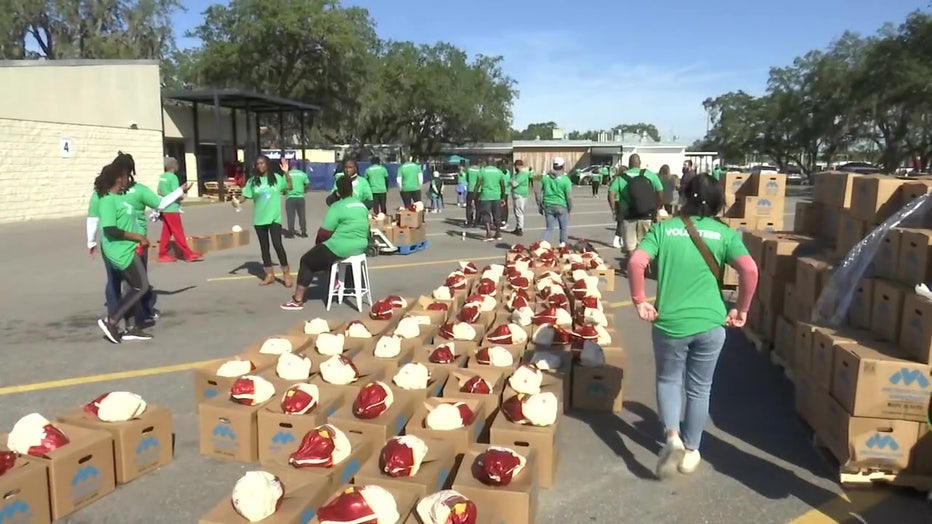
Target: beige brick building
(62, 121)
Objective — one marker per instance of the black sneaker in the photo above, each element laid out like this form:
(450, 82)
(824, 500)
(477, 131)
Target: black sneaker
(110, 331)
(498, 236)
(136, 333)
(303, 235)
(293, 305)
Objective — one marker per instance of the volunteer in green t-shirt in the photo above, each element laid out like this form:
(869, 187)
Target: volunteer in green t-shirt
(361, 189)
(717, 172)
(598, 176)
(689, 316)
(631, 227)
(295, 205)
(343, 234)
(461, 185)
(506, 178)
(265, 189)
(172, 227)
(410, 179)
(112, 291)
(122, 245)
(472, 178)
(520, 186)
(490, 195)
(377, 176)
(555, 200)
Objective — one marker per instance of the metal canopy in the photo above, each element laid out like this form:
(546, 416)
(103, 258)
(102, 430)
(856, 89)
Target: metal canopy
(240, 99)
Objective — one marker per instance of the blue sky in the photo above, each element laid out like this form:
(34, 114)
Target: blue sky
(592, 64)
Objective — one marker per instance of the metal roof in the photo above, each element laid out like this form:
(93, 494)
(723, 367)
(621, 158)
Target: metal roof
(239, 99)
(590, 143)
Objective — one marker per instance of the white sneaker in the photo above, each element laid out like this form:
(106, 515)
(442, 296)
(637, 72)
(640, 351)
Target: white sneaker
(670, 457)
(690, 462)
(616, 243)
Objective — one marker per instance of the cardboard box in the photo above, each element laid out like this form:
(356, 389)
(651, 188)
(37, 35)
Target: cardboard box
(789, 309)
(922, 453)
(888, 254)
(804, 401)
(740, 224)
(279, 435)
(25, 490)
(600, 388)
(780, 253)
(79, 473)
(754, 241)
(851, 231)
(542, 440)
(875, 197)
(828, 228)
(802, 348)
(298, 505)
(879, 384)
(379, 429)
(762, 207)
(862, 304)
(141, 445)
(368, 372)
(419, 234)
(224, 241)
(229, 430)
(859, 442)
(771, 290)
(812, 276)
(915, 255)
(434, 474)
(411, 219)
(405, 498)
(389, 366)
(338, 474)
(495, 376)
(733, 183)
(207, 385)
(887, 310)
(240, 238)
(768, 320)
(435, 384)
(460, 438)
(916, 328)
(824, 341)
(557, 381)
(784, 340)
(402, 236)
(201, 244)
(606, 278)
(515, 503)
(807, 218)
(733, 206)
(834, 188)
(769, 224)
(767, 185)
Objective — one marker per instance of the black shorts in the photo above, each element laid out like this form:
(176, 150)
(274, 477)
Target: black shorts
(490, 210)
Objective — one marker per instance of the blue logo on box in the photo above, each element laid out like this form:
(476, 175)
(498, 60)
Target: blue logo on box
(400, 423)
(147, 452)
(878, 441)
(908, 377)
(280, 439)
(210, 393)
(86, 482)
(17, 512)
(442, 479)
(223, 437)
(308, 515)
(596, 388)
(352, 467)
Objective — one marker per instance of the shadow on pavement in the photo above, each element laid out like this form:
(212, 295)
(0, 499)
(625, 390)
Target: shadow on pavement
(161, 292)
(611, 429)
(253, 268)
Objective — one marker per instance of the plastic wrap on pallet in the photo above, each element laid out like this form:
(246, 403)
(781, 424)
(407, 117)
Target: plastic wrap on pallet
(832, 306)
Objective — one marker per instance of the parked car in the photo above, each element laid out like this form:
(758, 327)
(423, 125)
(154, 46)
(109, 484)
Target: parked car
(765, 169)
(861, 168)
(449, 173)
(582, 176)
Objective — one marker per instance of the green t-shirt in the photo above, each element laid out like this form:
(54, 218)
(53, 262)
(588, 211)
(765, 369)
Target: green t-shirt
(492, 179)
(622, 197)
(362, 191)
(267, 200)
(521, 183)
(553, 190)
(115, 211)
(299, 183)
(377, 176)
(472, 176)
(410, 176)
(168, 182)
(93, 206)
(461, 178)
(689, 301)
(348, 219)
(717, 173)
(140, 197)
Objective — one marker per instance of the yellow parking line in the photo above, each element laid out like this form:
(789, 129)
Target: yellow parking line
(106, 377)
(385, 266)
(841, 508)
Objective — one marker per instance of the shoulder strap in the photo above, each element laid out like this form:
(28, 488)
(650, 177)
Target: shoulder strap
(703, 249)
(644, 170)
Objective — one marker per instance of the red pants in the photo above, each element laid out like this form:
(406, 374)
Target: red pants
(172, 227)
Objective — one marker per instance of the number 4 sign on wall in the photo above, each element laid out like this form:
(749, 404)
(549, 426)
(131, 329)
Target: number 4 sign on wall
(65, 147)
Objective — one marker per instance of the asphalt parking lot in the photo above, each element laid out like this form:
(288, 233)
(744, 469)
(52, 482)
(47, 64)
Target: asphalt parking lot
(760, 466)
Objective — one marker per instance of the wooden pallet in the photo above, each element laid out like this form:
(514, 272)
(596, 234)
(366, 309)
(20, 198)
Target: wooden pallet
(413, 248)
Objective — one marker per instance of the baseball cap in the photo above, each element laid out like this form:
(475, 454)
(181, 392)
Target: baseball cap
(558, 161)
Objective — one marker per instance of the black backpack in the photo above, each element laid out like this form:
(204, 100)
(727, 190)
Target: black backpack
(643, 197)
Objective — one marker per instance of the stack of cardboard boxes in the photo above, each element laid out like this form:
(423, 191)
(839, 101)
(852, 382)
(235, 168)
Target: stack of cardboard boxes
(264, 433)
(753, 203)
(863, 387)
(405, 228)
(207, 243)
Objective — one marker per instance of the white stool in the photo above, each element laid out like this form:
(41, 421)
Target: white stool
(361, 285)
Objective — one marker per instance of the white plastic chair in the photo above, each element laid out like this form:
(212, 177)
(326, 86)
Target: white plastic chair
(361, 285)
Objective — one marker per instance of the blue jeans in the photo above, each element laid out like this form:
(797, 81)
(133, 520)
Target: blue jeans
(692, 359)
(556, 215)
(114, 291)
(436, 202)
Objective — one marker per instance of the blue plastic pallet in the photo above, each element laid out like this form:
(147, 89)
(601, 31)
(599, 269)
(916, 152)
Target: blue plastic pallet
(413, 248)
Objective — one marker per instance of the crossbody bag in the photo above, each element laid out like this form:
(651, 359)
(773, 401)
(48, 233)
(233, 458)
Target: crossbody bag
(703, 248)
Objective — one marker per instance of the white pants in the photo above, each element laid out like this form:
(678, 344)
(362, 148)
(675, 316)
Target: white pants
(632, 232)
(518, 206)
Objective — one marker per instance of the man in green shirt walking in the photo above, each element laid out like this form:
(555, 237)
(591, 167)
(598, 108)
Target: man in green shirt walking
(472, 180)
(520, 187)
(555, 200)
(490, 193)
(377, 176)
(410, 179)
(634, 198)
(295, 203)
